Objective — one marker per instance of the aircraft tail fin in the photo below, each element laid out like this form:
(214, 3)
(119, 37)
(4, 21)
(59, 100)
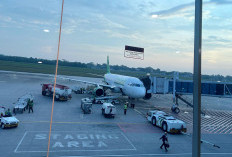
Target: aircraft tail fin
(108, 66)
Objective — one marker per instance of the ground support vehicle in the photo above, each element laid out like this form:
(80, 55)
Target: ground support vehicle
(78, 90)
(62, 93)
(166, 122)
(103, 99)
(86, 105)
(22, 103)
(20, 107)
(108, 109)
(7, 121)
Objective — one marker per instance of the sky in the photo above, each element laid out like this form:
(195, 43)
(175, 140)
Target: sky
(93, 29)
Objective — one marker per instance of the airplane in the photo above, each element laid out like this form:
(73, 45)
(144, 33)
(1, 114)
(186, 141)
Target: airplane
(127, 85)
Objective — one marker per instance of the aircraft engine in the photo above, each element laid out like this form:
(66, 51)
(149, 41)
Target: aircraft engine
(98, 91)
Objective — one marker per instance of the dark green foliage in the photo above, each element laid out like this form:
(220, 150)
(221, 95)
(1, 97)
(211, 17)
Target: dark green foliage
(15, 63)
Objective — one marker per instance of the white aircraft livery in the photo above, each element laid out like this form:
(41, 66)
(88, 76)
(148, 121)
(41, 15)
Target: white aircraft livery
(130, 86)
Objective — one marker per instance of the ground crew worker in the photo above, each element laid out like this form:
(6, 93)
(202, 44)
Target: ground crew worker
(165, 141)
(133, 105)
(94, 100)
(125, 108)
(30, 104)
(8, 113)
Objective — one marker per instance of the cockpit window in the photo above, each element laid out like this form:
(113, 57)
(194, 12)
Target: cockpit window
(135, 85)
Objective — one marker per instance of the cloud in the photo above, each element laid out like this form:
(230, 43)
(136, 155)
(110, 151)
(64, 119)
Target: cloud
(215, 57)
(186, 10)
(172, 12)
(220, 2)
(40, 22)
(145, 6)
(217, 41)
(46, 30)
(217, 60)
(74, 24)
(69, 29)
(107, 22)
(216, 38)
(129, 36)
(47, 49)
(5, 18)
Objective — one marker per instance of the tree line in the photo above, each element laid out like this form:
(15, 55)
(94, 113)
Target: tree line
(152, 71)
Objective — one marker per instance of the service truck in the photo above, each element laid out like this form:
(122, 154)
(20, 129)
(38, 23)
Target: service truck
(108, 109)
(62, 93)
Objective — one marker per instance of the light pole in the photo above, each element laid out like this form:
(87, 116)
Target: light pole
(196, 139)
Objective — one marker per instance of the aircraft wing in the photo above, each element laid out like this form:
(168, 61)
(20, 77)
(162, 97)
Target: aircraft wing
(86, 82)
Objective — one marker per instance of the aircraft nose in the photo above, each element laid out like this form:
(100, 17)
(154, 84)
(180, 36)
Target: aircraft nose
(141, 93)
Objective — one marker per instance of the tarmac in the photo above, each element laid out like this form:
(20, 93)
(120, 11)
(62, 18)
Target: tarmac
(75, 134)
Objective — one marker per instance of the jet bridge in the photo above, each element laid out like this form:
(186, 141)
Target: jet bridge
(219, 89)
(179, 88)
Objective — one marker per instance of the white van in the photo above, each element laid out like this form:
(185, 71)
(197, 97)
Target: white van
(108, 109)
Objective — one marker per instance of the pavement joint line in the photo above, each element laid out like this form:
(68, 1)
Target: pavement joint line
(118, 155)
(71, 131)
(80, 122)
(210, 125)
(128, 141)
(177, 154)
(16, 149)
(213, 129)
(228, 130)
(221, 121)
(59, 151)
(207, 128)
(139, 112)
(223, 129)
(216, 120)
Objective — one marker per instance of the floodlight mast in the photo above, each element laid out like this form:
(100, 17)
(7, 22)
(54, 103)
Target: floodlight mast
(196, 139)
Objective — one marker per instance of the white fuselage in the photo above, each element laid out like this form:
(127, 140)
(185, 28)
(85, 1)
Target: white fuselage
(130, 86)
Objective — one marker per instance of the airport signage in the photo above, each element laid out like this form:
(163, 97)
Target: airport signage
(134, 52)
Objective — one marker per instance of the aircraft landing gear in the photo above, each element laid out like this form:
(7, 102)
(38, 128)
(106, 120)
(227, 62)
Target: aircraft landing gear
(175, 109)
